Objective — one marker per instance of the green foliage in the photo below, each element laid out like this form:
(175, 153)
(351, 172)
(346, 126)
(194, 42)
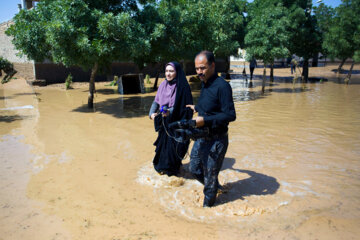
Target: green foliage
(179, 29)
(342, 39)
(5, 64)
(8, 68)
(28, 34)
(323, 15)
(267, 36)
(79, 32)
(68, 82)
(356, 56)
(114, 82)
(86, 33)
(305, 38)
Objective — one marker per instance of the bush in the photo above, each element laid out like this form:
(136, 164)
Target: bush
(114, 81)
(8, 68)
(147, 79)
(68, 82)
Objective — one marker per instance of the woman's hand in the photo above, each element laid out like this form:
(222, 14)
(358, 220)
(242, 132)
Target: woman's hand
(192, 107)
(153, 116)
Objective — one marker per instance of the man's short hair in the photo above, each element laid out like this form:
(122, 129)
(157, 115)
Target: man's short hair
(209, 56)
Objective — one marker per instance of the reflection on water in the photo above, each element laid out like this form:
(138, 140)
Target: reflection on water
(121, 107)
(241, 90)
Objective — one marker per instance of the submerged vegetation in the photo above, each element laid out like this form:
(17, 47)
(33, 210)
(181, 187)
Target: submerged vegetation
(68, 82)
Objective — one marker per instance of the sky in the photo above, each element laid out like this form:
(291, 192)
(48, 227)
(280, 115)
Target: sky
(10, 7)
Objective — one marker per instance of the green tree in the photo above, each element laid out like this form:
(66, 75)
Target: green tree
(342, 39)
(180, 29)
(227, 28)
(305, 38)
(87, 33)
(267, 37)
(324, 15)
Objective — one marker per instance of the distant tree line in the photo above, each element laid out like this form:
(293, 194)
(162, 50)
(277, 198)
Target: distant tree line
(94, 33)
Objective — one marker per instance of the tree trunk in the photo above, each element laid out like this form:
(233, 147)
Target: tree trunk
(339, 70)
(347, 79)
(272, 73)
(156, 80)
(162, 67)
(264, 80)
(305, 72)
(244, 71)
(92, 85)
(183, 62)
(315, 60)
(227, 73)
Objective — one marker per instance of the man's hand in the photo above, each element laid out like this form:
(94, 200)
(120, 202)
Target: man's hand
(153, 116)
(192, 107)
(199, 121)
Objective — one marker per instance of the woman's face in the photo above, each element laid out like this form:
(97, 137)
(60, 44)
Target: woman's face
(170, 72)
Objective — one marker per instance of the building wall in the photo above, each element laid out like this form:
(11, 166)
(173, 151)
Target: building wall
(22, 65)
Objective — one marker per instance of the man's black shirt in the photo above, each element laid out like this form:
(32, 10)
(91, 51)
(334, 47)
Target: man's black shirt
(216, 104)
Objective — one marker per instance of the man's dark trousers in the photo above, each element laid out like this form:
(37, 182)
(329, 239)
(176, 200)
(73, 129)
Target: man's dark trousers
(207, 156)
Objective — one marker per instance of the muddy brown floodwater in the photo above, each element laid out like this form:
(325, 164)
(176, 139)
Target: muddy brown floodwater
(292, 167)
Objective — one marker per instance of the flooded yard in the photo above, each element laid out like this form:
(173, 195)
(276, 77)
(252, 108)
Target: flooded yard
(292, 167)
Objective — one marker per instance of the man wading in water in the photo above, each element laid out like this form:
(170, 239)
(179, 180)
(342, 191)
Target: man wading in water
(215, 110)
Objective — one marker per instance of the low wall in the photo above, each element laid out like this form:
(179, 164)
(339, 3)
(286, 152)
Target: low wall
(57, 73)
(25, 70)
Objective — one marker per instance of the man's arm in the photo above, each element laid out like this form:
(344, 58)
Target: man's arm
(199, 120)
(227, 113)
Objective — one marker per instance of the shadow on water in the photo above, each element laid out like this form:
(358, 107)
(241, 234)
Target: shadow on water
(340, 81)
(346, 71)
(18, 94)
(257, 184)
(110, 91)
(106, 91)
(121, 107)
(27, 94)
(289, 90)
(9, 119)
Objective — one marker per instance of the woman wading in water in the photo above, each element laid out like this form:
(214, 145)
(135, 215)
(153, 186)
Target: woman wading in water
(169, 106)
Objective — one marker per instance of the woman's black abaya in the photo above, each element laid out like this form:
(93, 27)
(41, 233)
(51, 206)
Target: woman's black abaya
(169, 153)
